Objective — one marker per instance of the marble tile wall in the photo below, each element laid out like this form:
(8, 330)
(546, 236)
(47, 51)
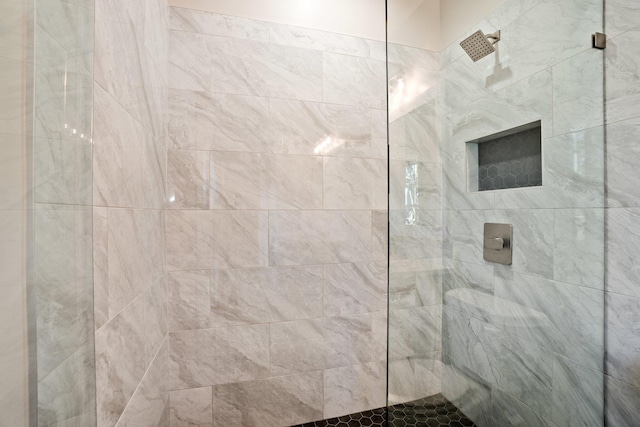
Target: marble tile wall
(529, 336)
(15, 88)
(131, 287)
(275, 224)
(63, 364)
(415, 219)
(622, 382)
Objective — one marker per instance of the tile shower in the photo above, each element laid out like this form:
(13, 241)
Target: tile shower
(208, 203)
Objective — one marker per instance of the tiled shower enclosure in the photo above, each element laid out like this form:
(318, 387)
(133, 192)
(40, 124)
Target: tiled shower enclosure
(215, 220)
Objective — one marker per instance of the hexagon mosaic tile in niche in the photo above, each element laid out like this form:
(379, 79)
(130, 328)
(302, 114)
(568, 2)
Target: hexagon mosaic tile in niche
(433, 411)
(512, 161)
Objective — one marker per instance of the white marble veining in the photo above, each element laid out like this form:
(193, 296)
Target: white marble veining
(256, 68)
(469, 395)
(622, 243)
(620, 16)
(622, 156)
(415, 136)
(299, 127)
(379, 235)
(265, 181)
(190, 62)
(287, 35)
(555, 39)
(623, 339)
(565, 318)
(622, 64)
(578, 255)
(192, 408)
(319, 237)
(414, 331)
(415, 283)
(208, 121)
(189, 240)
(120, 361)
(414, 377)
(577, 394)
(271, 402)
(204, 357)
(415, 240)
(355, 81)
(355, 288)
(354, 183)
(506, 410)
(622, 402)
(148, 403)
(578, 103)
(188, 179)
(188, 303)
(135, 251)
(264, 295)
(196, 21)
(330, 342)
(354, 389)
(204, 240)
(67, 392)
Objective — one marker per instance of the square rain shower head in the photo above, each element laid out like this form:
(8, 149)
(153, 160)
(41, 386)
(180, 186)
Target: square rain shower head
(478, 44)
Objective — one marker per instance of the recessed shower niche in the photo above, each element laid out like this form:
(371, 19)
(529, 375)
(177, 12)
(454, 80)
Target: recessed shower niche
(509, 159)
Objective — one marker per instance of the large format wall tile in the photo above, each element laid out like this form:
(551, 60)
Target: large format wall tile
(623, 239)
(205, 357)
(414, 377)
(189, 240)
(623, 338)
(148, 402)
(207, 121)
(287, 35)
(623, 155)
(195, 21)
(203, 240)
(316, 344)
(272, 402)
(188, 303)
(188, 179)
(578, 103)
(414, 331)
(565, 318)
(120, 361)
(354, 81)
(555, 38)
(298, 127)
(190, 64)
(135, 251)
(319, 237)
(622, 402)
(354, 388)
(192, 408)
(256, 266)
(354, 183)
(255, 68)
(265, 295)
(577, 394)
(355, 288)
(621, 62)
(578, 255)
(265, 181)
(130, 173)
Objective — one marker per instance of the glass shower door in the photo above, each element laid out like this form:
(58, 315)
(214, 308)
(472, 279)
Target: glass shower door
(515, 138)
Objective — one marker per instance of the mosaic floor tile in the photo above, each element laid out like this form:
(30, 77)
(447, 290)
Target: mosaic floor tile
(433, 411)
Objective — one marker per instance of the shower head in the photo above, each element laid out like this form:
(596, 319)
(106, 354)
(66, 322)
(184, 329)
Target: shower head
(478, 45)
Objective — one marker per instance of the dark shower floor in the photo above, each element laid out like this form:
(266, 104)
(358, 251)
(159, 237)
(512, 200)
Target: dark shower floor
(432, 411)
